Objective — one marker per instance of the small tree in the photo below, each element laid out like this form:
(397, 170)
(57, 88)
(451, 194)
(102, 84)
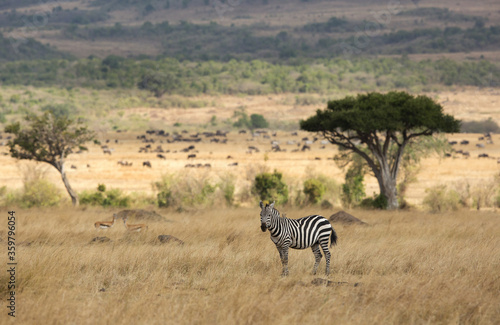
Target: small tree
(49, 139)
(383, 124)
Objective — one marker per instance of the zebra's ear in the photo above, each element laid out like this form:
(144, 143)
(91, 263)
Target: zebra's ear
(272, 204)
(261, 205)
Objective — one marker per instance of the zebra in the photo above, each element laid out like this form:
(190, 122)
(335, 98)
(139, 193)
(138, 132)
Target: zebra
(311, 231)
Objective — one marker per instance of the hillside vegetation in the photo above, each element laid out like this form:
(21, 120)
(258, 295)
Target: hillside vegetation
(254, 77)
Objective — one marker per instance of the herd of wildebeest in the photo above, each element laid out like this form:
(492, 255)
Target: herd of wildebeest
(154, 140)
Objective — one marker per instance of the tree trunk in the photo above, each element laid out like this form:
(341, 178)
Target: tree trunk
(71, 192)
(388, 187)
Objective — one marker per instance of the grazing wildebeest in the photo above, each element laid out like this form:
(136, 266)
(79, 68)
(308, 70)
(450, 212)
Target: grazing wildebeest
(161, 156)
(192, 156)
(146, 163)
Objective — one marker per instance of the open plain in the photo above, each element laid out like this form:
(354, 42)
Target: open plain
(405, 267)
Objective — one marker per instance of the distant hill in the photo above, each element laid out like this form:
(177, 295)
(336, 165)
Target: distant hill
(271, 30)
(27, 49)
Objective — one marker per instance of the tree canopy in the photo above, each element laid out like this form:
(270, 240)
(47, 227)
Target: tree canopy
(384, 124)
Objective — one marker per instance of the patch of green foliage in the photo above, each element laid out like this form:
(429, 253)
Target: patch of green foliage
(270, 187)
(255, 77)
(314, 190)
(105, 198)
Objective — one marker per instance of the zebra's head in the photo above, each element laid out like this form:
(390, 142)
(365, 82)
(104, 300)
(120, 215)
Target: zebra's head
(265, 215)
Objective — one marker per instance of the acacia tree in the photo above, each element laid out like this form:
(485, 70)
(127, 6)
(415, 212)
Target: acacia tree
(50, 139)
(383, 124)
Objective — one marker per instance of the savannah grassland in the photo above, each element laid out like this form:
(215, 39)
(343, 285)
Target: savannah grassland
(409, 266)
(406, 267)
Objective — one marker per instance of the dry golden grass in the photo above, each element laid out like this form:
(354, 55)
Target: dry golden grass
(405, 268)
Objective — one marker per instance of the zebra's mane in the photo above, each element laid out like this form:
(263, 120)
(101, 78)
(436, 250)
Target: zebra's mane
(281, 215)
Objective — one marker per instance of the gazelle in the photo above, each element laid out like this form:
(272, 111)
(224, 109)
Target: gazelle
(106, 224)
(135, 228)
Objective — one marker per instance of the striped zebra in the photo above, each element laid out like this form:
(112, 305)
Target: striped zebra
(312, 231)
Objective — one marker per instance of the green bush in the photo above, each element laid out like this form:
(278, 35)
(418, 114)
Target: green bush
(376, 202)
(440, 199)
(40, 193)
(380, 202)
(258, 121)
(270, 187)
(353, 190)
(101, 197)
(91, 198)
(228, 187)
(314, 190)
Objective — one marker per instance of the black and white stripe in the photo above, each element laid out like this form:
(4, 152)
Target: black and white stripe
(312, 231)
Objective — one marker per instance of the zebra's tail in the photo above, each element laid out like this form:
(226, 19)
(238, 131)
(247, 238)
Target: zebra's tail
(333, 238)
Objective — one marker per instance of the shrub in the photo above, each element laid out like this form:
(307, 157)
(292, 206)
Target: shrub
(258, 121)
(188, 191)
(440, 199)
(101, 197)
(380, 202)
(376, 202)
(40, 193)
(353, 190)
(314, 190)
(270, 187)
(91, 198)
(227, 185)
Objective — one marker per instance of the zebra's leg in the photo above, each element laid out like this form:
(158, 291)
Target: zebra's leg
(317, 255)
(327, 257)
(284, 260)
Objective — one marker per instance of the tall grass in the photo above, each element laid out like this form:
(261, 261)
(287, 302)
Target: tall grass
(407, 267)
